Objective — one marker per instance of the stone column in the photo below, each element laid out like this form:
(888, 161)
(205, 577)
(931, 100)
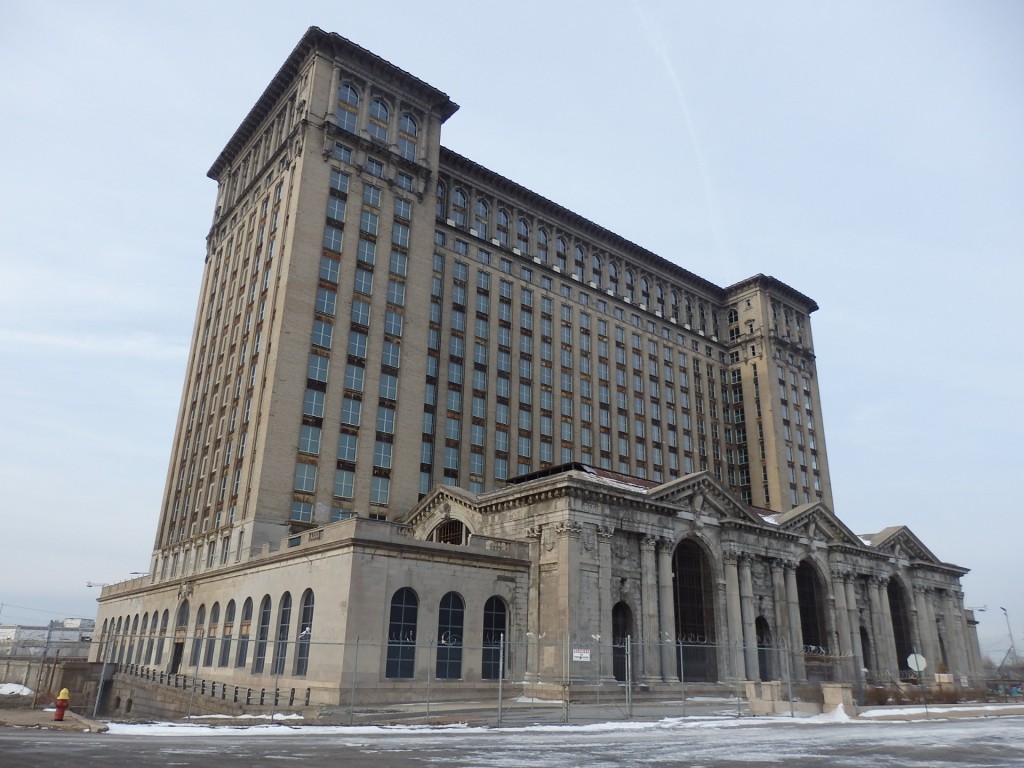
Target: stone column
(854, 621)
(748, 618)
(928, 628)
(607, 601)
(842, 613)
(888, 637)
(879, 661)
(734, 616)
(667, 625)
(796, 632)
(780, 630)
(954, 636)
(649, 660)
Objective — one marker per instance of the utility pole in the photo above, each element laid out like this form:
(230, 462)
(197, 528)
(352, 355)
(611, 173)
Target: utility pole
(1010, 659)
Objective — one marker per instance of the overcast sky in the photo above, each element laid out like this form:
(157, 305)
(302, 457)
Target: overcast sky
(869, 154)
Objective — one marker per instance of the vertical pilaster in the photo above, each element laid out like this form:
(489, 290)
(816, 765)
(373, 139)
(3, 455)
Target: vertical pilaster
(532, 670)
(849, 584)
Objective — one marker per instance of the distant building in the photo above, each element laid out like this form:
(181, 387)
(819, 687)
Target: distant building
(425, 404)
(70, 638)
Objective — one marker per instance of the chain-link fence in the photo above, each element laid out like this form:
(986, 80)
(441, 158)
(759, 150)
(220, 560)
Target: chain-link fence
(537, 679)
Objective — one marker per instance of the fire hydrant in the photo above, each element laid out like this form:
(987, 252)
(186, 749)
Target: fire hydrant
(62, 703)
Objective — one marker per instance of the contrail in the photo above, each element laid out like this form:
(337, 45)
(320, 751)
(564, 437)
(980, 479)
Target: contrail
(717, 230)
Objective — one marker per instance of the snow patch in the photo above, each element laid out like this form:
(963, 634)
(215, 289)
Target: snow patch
(13, 689)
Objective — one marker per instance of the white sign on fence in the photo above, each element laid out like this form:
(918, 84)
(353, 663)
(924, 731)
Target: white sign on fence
(581, 654)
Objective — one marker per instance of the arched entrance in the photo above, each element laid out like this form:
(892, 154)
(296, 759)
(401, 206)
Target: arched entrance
(693, 592)
(812, 595)
(622, 627)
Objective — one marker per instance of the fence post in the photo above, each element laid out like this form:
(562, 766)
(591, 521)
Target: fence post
(355, 669)
(629, 678)
(501, 671)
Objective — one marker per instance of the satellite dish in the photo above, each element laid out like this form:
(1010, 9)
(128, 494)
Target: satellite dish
(916, 662)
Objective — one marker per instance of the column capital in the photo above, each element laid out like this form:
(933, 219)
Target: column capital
(730, 557)
(648, 543)
(605, 531)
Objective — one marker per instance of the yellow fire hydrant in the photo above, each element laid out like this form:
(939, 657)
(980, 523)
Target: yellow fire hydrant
(62, 703)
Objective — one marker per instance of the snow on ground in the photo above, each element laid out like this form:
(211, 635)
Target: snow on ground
(933, 710)
(13, 689)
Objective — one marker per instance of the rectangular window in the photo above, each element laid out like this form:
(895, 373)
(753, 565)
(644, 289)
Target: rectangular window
(344, 482)
(333, 238)
(348, 445)
(317, 368)
(309, 439)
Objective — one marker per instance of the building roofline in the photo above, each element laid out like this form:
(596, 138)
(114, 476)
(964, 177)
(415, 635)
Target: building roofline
(316, 38)
(772, 283)
(450, 158)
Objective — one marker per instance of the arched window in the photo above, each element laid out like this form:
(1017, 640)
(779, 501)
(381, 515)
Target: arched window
(119, 640)
(703, 318)
(674, 298)
(401, 659)
(132, 637)
(450, 626)
(262, 633)
(243, 633)
(284, 620)
(183, 610)
(450, 532)
(442, 201)
(229, 630)
(164, 621)
(197, 636)
(142, 638)
(693, 589)
(613, 277)
(714, 323)
(580, 261)
(596, 273)
(689, 311)
(630, 288)
(495, 628)
(561, 254)
(523, 236)
(305, 633)
(378, 124)
(733, 317)
(408, 132)
(542, 245)
(152, 637)
(503, 222)
(459, 208)
(481, 218)
(347, 110)
(645, 292)
(659, 299)
(211, 635)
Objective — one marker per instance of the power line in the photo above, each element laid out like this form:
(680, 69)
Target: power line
(63, 614)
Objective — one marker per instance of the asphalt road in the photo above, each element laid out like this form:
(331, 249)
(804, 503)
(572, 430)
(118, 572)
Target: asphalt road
(975, 743)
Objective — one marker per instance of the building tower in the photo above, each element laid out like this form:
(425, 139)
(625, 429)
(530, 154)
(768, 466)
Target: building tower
(380, 315)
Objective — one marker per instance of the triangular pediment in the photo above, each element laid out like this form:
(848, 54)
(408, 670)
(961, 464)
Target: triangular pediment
(443, 503)
(818, 523)
(899, 541)
(703, 494)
